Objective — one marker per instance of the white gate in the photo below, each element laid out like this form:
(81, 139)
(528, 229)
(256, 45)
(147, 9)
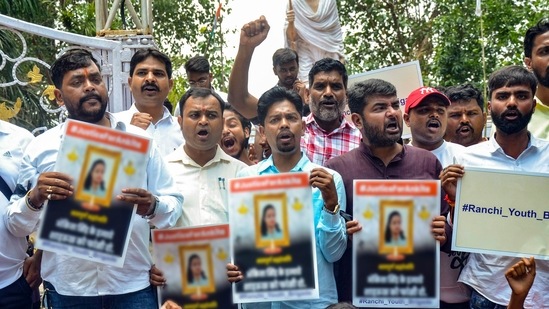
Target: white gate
(113, 55)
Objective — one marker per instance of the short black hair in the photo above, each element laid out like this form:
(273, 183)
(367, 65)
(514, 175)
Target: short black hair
(464, 92)
(200, 93)
(328, 65)
(359, 93)
(143, 54)
(541, 27)
(245, 122)
(71, 60)
(275, 95)
(509, 76)
(198, 64)
(284, 55)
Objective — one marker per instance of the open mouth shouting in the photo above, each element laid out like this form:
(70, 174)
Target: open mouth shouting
(465, 130)
(229, 144)
(150, 89)
(392, 127)
(434, 125)
(285, 137)
(203, 134)
(330, 103)
(511, 115)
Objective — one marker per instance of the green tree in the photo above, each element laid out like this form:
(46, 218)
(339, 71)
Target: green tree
(30, 114)
(444, 35)
(181, 29)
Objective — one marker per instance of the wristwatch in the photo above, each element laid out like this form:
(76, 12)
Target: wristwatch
(152, 210)
(334, 212)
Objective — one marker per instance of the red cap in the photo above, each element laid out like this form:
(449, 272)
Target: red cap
(418, 95)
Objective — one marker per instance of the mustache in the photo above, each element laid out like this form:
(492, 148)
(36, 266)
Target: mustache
(150, 85)
(513, 111)
(465, 125)
(285, 132)
(90, 96)
(330, 100)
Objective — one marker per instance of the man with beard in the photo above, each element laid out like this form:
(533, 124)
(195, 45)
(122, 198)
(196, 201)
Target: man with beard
(236, 133)
(200, 168)
(536, 58)
(376, 112)
(511, 91)
(71, 282)
(466, 116)
(425, 114)
(280, 116)
(150, 82)
(327, 133)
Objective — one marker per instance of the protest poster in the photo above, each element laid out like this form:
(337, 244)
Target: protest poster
(406, 77)
(512, 204)
(272, 238)
(92, 224)
(395, 257)
(194, 261)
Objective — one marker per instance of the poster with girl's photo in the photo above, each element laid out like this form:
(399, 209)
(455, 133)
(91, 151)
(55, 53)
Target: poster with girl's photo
(194, 261)
(92, 224)
(395, 257)
(272, 237)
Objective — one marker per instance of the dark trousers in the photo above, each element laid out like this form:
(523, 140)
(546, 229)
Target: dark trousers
(17, 295)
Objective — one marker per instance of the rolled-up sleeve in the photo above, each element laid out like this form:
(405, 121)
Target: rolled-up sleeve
(332, 236)
(19, 219)
(161, 184)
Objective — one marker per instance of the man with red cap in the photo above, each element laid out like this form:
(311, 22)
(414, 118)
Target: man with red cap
(425, 114)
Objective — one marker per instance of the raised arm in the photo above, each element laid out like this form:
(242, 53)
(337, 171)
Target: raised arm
(251, 35)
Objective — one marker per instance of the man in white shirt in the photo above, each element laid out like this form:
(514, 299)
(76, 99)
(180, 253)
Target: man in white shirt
(150, 82)
(15, 281)
(511, 105)
(71, 282)
(466, 115)
(201, 169)
(426, 115)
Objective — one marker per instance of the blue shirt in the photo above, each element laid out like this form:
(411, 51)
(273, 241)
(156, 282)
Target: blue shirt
(330, 234)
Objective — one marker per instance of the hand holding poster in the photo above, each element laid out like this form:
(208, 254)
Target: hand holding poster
(512, 204)
(92, 224)
(395, 257)
(194, 262)
(272, 238)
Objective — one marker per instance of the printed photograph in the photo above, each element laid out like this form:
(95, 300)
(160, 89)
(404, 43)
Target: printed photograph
(271, 222)
(97, 177)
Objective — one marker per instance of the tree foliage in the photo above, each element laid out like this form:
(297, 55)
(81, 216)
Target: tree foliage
(30, 115)
(184, 29)
(444, 35)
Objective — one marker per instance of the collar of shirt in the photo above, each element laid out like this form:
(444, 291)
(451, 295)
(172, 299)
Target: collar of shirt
(115, 124)
(267, 166)
(540, 105)
(368, 152)
(180, 155)
(495, 147)
(310, 121)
